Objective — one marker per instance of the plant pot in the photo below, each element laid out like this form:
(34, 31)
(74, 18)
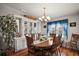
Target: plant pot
(2, 53)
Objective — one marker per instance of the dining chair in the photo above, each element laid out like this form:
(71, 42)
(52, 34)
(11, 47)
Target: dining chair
(38, 51)
(43, 51)
(74, 40)
(29, 45)
(56, 46)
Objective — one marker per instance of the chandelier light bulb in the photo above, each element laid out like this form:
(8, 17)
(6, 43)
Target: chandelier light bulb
(40, 19)
(45, 19)
(48, 17)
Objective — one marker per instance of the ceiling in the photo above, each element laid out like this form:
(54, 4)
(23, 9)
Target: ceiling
(52, 9)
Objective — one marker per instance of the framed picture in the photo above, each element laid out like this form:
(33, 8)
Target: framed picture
(44, 26)
(25, 22)
(34, 24)
(73, 24)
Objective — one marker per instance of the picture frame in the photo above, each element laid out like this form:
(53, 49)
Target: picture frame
(44, 26)
(25, 22)
(34, 24)
(73, 24)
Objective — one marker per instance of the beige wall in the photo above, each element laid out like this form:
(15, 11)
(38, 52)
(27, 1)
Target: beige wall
(73, 18)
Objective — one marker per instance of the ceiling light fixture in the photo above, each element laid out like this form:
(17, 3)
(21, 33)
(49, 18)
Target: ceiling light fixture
(44, 18)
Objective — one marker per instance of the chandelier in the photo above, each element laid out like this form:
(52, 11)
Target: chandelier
(44, 18)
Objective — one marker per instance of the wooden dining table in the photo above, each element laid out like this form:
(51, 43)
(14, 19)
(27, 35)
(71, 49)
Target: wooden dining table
(43, 46)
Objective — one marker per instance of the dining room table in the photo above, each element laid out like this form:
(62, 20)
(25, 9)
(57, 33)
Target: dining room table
(44, 46)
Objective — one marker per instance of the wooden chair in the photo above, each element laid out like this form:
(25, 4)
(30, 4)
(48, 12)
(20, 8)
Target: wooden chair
(29, 45)
(39, 51)
(55, 50)
(58, 43)
(73, 42)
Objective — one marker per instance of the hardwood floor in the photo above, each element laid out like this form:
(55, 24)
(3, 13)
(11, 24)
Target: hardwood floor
(22, 52)
(63, 52)
(67, 52)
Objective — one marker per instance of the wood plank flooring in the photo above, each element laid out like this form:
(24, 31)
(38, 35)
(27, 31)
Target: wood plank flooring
(68, 52)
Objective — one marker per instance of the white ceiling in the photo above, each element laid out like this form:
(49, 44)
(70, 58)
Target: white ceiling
(52, 9)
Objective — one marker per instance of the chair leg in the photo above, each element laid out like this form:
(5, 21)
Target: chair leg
(58, 51)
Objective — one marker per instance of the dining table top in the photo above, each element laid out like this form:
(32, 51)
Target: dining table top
(45, 43)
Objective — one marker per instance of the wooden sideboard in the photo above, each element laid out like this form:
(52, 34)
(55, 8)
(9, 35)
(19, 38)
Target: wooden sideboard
(23, 52)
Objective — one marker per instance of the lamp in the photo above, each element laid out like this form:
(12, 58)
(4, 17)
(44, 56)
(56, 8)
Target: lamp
(44, 18)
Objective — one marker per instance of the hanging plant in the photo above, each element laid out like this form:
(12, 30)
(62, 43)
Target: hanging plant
(8, 29)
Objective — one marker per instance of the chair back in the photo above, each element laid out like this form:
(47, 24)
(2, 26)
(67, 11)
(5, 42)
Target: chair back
(57, 41)
(29, 41)
(75, 37)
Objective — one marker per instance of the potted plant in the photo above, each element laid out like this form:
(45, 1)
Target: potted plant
(2, 53)
(8, 29)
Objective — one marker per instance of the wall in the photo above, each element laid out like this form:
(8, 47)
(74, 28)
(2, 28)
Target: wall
(73, 18)
(73, 29)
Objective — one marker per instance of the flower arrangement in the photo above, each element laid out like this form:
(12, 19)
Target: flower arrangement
(42, 38)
